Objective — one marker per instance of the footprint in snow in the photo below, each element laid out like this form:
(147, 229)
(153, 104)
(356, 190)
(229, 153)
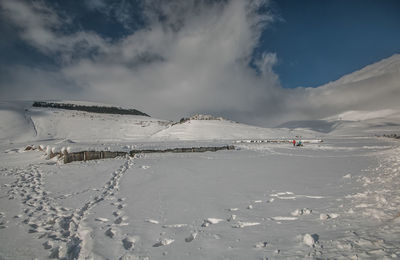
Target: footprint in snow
(118, 213)
(152, 221)
(120, 206)
(210, 221)
(111, 232)
(328, 216)
(174, 226)
(164, 242)
(231, 218)
(101, 219)
(241, 224)
(129, 242)
(128, 256)
(192, 237)
(120, 220)
(310, 240)
(261, 245)
(279, 218)
(301, 212)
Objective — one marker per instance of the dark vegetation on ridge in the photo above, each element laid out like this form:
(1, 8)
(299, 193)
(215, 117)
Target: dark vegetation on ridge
(92, 109)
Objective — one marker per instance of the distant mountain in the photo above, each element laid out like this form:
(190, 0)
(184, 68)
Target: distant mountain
(386, 66)
(373, 88)
(363, 102)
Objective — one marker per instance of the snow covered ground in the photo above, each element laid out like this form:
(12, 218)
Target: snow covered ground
(336, 199)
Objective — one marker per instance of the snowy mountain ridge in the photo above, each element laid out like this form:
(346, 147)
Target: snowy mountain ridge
(389, 65)
(360, 103)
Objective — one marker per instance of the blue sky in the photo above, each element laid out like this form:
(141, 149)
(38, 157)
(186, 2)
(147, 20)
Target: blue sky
(319, 41)
(233, 58)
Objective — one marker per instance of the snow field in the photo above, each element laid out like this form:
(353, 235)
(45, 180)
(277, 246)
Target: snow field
(275, 201)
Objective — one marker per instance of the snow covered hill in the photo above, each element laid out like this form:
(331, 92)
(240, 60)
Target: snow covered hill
(21, 123)
(220, 130)
(373, 88)
(15, 124)
(386, 66)
(361, 103)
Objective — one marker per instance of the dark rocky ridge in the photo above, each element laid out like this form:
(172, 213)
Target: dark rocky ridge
(91, 109)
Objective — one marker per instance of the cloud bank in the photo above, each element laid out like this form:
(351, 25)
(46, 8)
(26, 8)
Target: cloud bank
(188, 57)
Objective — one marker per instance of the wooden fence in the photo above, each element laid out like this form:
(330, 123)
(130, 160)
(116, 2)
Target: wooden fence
(95, 155)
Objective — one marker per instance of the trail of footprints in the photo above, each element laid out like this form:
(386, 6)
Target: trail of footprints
(379, 201)
(232, 219)
(58, 226)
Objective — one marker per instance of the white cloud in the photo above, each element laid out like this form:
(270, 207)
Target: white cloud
(40, 26)
(192, 56)
(193, 59)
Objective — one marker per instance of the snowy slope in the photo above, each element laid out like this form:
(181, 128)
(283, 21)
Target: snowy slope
(367, 123)
(15, 124)
(357, 104)
(365, 115)
(84, 126)
(386, 66)
(22, 122)
(373, 88)
(222, 130)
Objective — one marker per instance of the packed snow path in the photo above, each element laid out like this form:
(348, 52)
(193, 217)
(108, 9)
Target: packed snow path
(338, 199)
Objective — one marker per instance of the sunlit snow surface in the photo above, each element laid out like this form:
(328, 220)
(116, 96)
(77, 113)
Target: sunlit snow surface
(337, 199)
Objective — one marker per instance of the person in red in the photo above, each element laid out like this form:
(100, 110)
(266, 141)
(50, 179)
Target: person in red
(294, 142)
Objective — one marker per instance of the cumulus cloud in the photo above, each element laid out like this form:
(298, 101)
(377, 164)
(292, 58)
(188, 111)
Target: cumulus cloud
(190, 56)
(41, 27)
